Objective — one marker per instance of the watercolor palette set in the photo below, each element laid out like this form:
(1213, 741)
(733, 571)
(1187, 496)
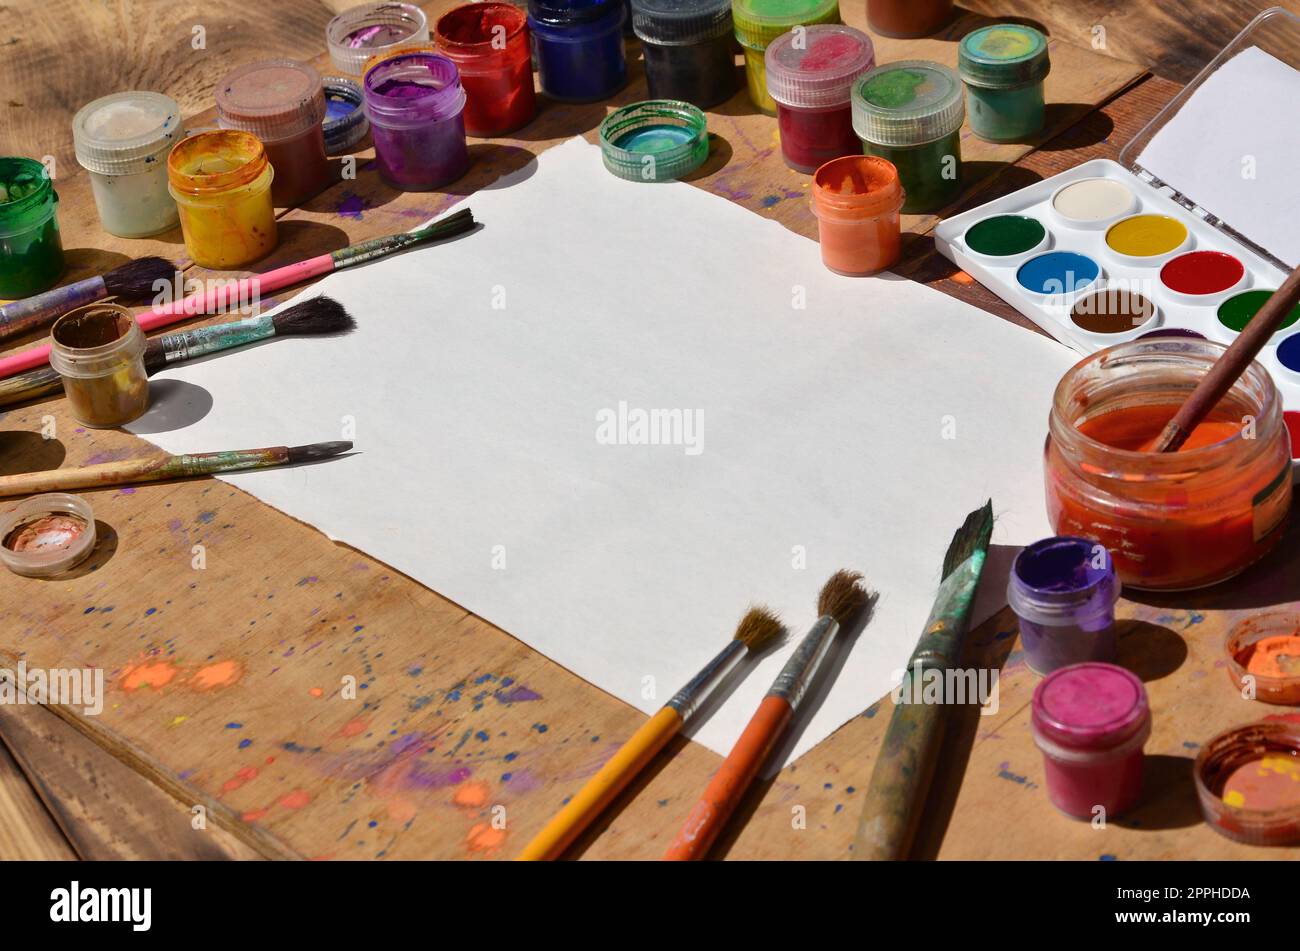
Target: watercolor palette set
(1179, 237)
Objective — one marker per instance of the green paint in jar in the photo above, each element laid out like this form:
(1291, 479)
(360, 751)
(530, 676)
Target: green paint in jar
(1003, 67)
(910, 113)
(31, 251)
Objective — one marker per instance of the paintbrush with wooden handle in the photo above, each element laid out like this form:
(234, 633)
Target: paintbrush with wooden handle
(131, 471)
(905, 764)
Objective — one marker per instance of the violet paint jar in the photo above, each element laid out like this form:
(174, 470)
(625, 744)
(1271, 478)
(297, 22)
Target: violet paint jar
(1091, 722)
(1064, 590)
(416, 106)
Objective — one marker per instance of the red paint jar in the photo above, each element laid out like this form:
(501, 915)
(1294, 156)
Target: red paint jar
(1174, 520)
(1091, 721)
(489, 43)
(810, 74)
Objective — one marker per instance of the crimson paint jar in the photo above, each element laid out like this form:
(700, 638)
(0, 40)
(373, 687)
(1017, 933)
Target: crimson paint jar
(810, 74)
(1091, 721)
(489, 43)
(282, 102)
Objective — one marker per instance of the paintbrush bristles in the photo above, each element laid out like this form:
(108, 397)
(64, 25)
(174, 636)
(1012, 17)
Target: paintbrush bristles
(973, 536)
(759, 629)
(317, 450)
(319, 315)
(139, 279)
(842, 596)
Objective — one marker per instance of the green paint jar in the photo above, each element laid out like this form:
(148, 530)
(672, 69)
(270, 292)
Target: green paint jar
(1003, 67)
(759, 22)
(910, 113)
(658, 140)
(31, 252)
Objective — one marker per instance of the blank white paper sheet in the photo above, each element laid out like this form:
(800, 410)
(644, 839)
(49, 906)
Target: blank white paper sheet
(805, 422)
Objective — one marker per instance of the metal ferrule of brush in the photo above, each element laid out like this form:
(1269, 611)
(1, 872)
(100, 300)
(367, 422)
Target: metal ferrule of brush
(189, 344)
(687, 700)
(792, 682)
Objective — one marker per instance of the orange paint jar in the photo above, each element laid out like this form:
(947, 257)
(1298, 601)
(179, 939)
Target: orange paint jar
(856, 199)
(1170, 520)
(222, 185)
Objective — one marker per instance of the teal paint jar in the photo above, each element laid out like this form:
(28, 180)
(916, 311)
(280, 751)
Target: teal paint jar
(910, 113)
(1003, 67)
(31, 251)
(658, 140)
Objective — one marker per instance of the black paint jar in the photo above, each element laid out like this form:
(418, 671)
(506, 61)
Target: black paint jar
(689, 49)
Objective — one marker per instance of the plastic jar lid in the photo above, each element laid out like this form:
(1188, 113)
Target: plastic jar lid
(910, 102)
(274, 99)
(654, 141)
(47, 535)
(1245, 782)
(345, 118)
(680, 22)
(1054, 579)
(1091, 706)
(1003, 56)
(1266, 648)
(209, 163)
(816, 67)
(442, 98)
(571, 12)
(759, 22)
(855, 188)
(123, 133)
(357, 34)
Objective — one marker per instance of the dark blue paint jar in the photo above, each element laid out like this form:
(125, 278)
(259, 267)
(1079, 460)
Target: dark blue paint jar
(578, 45)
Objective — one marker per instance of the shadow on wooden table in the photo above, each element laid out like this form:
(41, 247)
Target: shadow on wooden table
(29, 452)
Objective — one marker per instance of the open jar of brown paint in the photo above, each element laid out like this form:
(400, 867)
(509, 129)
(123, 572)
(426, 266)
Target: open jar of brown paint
(98, 350)
(908, 18)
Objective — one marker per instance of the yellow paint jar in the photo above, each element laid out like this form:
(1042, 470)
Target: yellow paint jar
(222, 185)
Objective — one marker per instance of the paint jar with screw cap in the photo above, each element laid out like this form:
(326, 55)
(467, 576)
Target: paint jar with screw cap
(689, 49)
(361, 33)
(856, 201)
(1064, 590)
(489, 43)
(810, 75)
(908, 19)
(416, 107)
(31, 251)
(282, 102)
(579, 48)
(98, 350)
(122, 141)
(1091, 721)
(910, 113)
(759, 22)
(1004, 66)
(221, 182)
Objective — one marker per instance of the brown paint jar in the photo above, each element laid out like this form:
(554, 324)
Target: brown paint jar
(98, 350)
(908, 18)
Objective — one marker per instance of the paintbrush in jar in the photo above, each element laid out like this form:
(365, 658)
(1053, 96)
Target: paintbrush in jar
(131, 471)
(758, 630)
(840, 600)
(901, 777)
(132, 282)
(318, 316)
(223, 293)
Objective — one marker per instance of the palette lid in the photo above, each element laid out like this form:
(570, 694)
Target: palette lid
(816, 67)
(910, 102)
(1225, 147)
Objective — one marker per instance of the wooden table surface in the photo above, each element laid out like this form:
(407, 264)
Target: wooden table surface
(225, 692)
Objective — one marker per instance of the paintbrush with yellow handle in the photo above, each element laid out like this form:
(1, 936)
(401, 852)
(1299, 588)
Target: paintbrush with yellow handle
(758, 630)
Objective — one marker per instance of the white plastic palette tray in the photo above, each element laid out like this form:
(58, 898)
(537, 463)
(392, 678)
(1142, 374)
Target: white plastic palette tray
(1122, 273)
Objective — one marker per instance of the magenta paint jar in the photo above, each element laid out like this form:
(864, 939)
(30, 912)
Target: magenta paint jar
(1091, 722)
(1064, 590)
(416, 107)
(810, 74)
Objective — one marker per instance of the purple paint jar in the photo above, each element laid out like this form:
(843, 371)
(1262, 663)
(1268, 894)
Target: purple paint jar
(416, 106)
(1064, 590)
(1091, 722)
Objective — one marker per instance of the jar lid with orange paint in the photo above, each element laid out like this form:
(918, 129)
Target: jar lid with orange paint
(209, 163)
(1264, 657)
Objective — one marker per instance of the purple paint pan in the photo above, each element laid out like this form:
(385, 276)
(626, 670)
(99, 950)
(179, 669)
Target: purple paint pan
(1064, 590)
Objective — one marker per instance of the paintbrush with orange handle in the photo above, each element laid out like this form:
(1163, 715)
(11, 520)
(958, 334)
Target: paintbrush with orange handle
(758, 630)
(1231, 365)
(841, 598)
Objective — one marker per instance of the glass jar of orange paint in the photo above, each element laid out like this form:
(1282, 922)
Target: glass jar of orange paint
(856, 200)
(222, 185)
(1177, 520)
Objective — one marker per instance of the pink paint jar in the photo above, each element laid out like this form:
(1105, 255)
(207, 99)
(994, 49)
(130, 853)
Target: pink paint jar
(810, 74)
(1091, 721)
(282, 102)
